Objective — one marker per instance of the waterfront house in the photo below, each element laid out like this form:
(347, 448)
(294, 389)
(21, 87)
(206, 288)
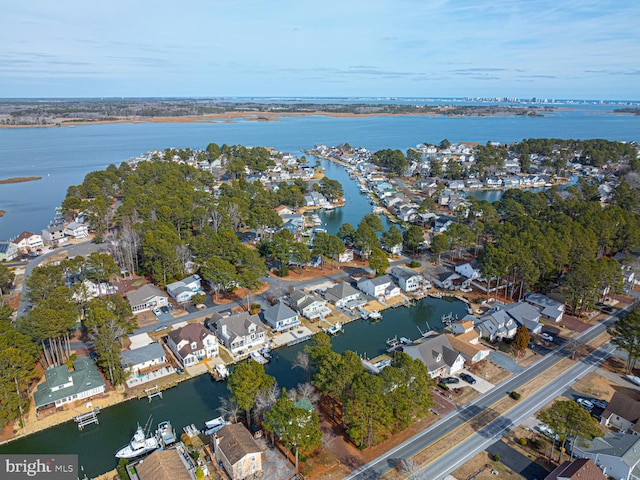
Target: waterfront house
(144, 359)
(408, 280)
(308, 305)
(622, 413)
(280, 317)
(28, 242)
(192, 343)
(146, 298)
(469, 269)
(182, 291)
(616, 454)
(549, 308)
(77, 230)
(448, 280)
(462, 326)
(236, 450)
(525, 314)
(378, 287)
(496, 325)
(240, 332)
(54, 236)
(62, 386)
(165, 464)
(436, 352)
(8, 251)
(343, 295)
(579, 469)
(346, 256)
(315, 199)
(283, 210)
(469, 346)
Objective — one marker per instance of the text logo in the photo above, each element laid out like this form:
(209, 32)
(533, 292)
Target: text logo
(46, 467)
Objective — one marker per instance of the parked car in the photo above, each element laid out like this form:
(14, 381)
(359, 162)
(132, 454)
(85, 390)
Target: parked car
(587, 404)
(448, 380)
(546, 431)
(600, 403)
(467, 378)
(164, 309)
(157, 312)
(161, 328)
(547, 337)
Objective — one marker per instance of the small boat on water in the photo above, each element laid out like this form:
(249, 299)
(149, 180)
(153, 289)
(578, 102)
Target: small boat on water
(139, 444)
(405, 341)
(334, 329)
(266, 353)
(255, 355)
(215, 424)
(166, 434)
(222, 371)
(375, 315)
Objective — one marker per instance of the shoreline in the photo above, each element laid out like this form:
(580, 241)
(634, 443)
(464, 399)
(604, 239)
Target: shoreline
(8, 181)
(255, 116)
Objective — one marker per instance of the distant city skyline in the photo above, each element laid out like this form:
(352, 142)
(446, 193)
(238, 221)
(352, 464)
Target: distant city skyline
(588, 49)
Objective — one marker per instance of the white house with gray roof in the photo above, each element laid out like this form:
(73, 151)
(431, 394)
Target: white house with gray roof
(146, 298)
(409, 280)
(343, 295)
(182, 291)
(240, 332)
(616, 454)
(377, 287)
(280, 317)
(62, 386)
(192, 343)
(496, 325)
(549, 308)
(437, 354)
(143, 359)
(524, 314)
(308, 305)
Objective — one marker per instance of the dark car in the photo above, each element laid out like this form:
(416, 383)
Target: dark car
(467, 378)
(447, 380)
(164, 309)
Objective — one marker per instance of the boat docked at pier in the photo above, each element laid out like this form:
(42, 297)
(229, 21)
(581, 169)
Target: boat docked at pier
(221, 371)
(165, 434)
(334, 329)
(140, 444)
(215, 424)
(258, 358)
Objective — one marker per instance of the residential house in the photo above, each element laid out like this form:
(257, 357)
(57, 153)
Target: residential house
(409, 280)
(62, 386)
(77, 230)
(239, 333)
(28, 242)
(166, 464)
(143, 360)
(464, 325)
(437, 354)
(496, 325)
(192, 343)
(308, 305)
(280, 317)
(54, 236)
(236, 450)
(343, 295)
(622, 413)
(579, 469)
(8, 251)
(549, 308)
(315, 199)
(182, 291)
(283, 210)
(616, 454)
(469, 346)
(524, 314)
(146, 298)
(449, 280)
(442, 224)
(377, 287)
(470, 270)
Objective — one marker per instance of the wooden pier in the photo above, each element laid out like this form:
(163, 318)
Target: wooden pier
(152, 392)
(87, 418)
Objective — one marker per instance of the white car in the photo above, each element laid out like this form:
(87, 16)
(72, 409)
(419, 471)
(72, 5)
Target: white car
(157, 312)
(588, 404)
(547, 337)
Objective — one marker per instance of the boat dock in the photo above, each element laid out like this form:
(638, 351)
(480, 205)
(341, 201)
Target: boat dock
(87, 418)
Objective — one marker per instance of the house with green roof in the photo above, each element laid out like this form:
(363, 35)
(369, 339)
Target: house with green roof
(62, 386)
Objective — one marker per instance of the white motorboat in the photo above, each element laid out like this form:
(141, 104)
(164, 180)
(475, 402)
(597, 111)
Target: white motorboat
(222, 371)
(166, 434)
(334, 329)
(138, 445)
(255, 355)
(215, 424)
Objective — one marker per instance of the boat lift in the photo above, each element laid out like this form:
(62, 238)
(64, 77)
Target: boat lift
(87, 418)
(153, 392)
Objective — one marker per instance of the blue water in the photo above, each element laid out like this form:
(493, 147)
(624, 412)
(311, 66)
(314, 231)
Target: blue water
(62, 156)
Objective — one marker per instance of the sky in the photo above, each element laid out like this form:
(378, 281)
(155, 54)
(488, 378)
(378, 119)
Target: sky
(582, 49)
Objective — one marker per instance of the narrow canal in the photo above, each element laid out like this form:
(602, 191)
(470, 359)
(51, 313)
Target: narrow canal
(197, 400)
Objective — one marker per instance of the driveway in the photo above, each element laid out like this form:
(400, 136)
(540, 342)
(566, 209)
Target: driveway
(516, 461)
(505, 361)
(481, 385)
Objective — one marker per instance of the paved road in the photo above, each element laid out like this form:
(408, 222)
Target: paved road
(494, 430)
